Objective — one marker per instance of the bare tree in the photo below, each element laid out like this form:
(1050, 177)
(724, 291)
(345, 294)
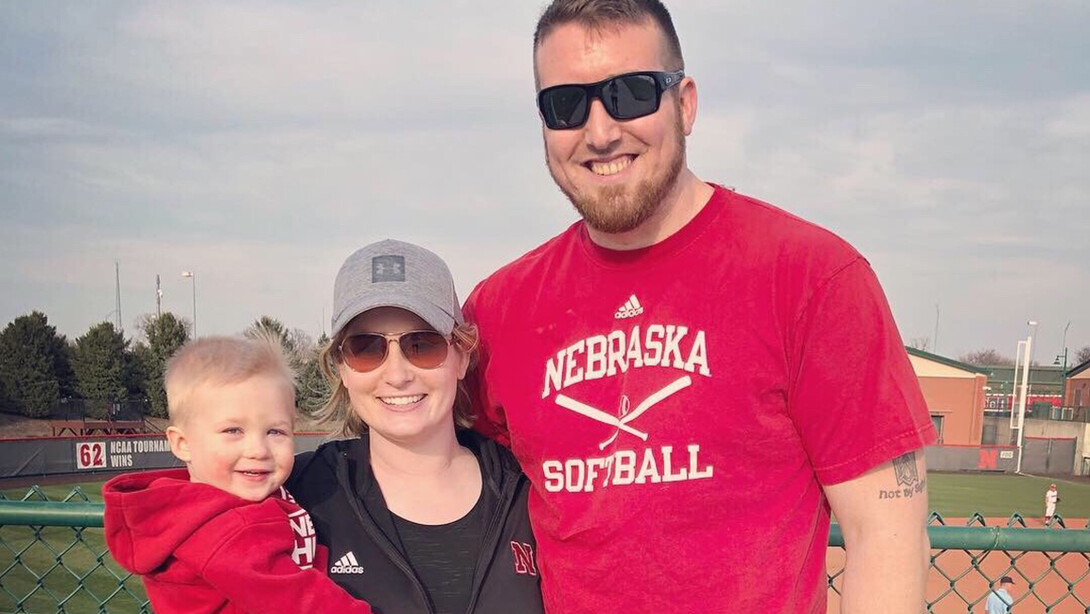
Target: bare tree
(1082, 355)
(919, 343)
(986, 358)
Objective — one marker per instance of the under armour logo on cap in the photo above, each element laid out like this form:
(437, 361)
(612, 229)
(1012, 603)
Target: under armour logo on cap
(421, 284)
(387, 268)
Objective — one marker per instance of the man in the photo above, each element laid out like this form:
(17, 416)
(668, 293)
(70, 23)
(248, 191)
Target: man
(690, 377)
(999, 600)
(1052, 496)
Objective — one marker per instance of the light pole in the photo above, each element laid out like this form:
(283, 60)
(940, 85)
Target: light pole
(193, 277)
(1063, 368)
(1032, 350)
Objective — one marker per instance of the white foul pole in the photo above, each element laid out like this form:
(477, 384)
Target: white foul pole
(1022, 398)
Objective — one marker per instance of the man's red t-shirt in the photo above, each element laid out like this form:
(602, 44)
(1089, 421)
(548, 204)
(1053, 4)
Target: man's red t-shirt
(678, 408)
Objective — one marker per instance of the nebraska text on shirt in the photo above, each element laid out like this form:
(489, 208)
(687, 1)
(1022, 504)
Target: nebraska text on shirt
(599, 356)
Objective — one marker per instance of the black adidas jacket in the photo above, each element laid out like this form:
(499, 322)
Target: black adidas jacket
(335, 484)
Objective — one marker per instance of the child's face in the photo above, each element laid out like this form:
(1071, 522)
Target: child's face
(238, 437)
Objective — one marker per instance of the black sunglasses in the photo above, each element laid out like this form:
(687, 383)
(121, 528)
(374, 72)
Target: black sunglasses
(424, 349)
(627, 96)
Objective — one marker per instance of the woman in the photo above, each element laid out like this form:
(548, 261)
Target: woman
(419, 516)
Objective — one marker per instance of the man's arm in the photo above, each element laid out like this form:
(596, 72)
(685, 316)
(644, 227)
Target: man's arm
(883, 515)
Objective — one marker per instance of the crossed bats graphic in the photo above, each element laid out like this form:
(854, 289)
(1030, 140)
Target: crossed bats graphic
(622, 422)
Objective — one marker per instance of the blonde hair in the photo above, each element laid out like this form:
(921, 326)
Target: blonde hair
(221, 361)
(337, 411)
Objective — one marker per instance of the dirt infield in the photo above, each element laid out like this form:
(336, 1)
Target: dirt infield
(955, 586)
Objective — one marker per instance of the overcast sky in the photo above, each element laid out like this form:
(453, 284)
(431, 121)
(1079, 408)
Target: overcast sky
(257, 144)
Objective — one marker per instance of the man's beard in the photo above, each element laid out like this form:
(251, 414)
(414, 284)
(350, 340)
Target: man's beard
(617, 209)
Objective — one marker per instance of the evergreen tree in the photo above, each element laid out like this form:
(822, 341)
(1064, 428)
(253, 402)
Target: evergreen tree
(100, 358)
(302, 354)
(66, 374)
(34, 367)
(270, 325)
(165, 334)
(312, 389)
(5, 400)
(137, 369)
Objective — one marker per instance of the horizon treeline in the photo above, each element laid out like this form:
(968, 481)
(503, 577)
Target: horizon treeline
(41, 370)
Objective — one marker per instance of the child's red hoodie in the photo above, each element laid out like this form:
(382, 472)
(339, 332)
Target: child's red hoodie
(201, 549)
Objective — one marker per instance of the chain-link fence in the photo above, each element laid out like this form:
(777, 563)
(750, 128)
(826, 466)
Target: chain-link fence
(1050, 566)
(53, 558)
(99, 409)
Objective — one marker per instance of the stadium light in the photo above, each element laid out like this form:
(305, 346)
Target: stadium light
(193, 277)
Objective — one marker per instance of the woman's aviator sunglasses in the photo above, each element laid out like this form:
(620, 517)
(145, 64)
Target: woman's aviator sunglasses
(627, 96)
(424, 349)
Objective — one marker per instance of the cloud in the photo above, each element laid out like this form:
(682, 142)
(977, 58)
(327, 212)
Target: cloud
(258, 143)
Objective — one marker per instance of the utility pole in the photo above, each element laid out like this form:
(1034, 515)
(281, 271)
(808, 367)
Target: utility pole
(1063, 369)
(193, 278)
(935, 339)
(158, 298)
(117, 287)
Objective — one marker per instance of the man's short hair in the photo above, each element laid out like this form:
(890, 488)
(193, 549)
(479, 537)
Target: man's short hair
(601, 14)
(221, 361)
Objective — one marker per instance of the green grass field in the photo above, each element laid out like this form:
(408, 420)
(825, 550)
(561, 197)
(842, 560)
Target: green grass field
(1000, 495)
(954, 495)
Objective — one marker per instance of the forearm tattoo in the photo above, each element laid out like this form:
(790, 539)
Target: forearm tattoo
(908, 479)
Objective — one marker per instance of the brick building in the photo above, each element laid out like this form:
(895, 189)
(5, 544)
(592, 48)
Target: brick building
(954, 392)
(1077, 390)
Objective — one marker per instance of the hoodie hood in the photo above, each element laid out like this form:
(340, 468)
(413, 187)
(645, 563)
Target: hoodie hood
(149, 514)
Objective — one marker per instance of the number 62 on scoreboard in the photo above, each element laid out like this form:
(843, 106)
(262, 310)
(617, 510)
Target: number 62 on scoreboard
(91, 455)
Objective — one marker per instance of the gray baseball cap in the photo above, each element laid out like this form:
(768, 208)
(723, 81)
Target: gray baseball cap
(396, 274)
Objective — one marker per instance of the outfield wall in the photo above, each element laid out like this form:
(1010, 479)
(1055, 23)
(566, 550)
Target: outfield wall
(57, 455)
(972, 458)
(64, 455)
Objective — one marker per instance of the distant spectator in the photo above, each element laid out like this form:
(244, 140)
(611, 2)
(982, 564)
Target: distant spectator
(999, 600)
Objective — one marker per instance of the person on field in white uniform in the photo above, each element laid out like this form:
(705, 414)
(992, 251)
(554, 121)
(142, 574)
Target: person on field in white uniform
(1052, 497)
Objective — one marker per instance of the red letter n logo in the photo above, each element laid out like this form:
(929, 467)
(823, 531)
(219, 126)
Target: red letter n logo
(989, 459)
(524, 558)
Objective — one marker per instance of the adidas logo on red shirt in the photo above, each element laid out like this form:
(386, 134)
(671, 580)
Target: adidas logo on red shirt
(631, 308)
